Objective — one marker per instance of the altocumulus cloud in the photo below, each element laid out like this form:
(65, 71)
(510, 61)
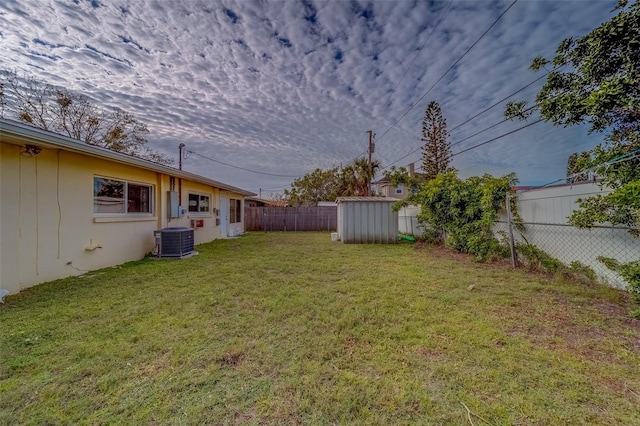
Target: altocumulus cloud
(285, 87)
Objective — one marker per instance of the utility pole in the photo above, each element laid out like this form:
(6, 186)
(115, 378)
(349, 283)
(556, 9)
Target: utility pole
(180, 155)
(372, 148)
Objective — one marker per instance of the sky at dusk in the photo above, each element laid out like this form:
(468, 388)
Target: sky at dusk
(284, 87)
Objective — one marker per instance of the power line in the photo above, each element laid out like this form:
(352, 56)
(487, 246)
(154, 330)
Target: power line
(276, 189)
(450, 68)
(402, 158)
(497, 137)
(478, 145)
(535, 105)
(418, 52)
(479, 132)
(499, 102)
(620, 159)
(241, 168)
(363, 153)
(461, 140)
(477, 115)
(492, 126)
(635, 154)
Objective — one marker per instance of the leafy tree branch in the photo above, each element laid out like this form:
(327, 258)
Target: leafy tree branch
(59, 110)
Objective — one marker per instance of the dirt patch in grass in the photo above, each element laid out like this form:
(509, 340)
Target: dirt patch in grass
(231, 359)
(441, 252)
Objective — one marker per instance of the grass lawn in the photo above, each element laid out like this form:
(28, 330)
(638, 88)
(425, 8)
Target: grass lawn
(287, 328)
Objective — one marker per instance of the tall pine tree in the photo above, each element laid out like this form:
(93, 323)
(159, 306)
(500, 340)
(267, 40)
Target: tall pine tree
(436, 152)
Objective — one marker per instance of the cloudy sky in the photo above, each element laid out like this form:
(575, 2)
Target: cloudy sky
(283, 87)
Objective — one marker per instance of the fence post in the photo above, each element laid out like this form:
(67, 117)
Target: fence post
(510, 225)
(264, 220)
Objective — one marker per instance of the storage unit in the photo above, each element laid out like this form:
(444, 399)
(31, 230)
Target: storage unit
(174, 242)
(367, 220)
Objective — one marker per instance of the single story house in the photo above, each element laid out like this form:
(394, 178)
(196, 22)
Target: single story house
(67, 207)
(261, 202)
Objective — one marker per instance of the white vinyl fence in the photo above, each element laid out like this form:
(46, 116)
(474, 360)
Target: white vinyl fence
(408, 221)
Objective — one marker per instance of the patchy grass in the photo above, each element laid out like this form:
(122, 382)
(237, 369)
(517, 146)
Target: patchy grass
(296, 329)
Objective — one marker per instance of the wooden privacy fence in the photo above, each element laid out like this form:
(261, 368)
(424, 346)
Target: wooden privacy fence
(291, 218)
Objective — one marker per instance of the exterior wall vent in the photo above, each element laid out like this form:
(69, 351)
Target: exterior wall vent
(175, 242)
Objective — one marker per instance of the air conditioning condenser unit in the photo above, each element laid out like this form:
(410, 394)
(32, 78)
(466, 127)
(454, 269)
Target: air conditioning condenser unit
(176, 242)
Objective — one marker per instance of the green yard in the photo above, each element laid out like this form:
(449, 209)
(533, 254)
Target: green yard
(295, 329)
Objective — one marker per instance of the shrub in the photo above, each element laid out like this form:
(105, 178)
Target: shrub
(631, 274)
(539, 259)
(464, 210)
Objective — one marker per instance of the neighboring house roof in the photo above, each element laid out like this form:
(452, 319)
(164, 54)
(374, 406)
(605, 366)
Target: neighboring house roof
(43, 138)
(273, 203)
(384, 180)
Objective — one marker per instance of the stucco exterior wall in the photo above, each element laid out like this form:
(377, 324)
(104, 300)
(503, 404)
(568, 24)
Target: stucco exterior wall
(48, 228)
(210, 231)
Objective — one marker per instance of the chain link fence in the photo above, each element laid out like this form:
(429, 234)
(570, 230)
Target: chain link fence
(574, 246)
(544, 231)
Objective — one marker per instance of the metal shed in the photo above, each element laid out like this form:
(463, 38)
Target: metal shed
(367, 220)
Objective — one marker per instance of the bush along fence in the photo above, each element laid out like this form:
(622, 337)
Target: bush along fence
(542, 237)
(270, 219)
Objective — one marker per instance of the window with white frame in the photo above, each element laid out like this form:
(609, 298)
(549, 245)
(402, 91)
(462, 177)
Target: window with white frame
(198, 203)
(399, 189)
(113, 196)
(235, 211)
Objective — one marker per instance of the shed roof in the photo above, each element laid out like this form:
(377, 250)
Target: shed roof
(367, 199)
(32, 135)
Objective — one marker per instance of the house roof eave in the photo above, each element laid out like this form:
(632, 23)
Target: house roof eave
(33, 135)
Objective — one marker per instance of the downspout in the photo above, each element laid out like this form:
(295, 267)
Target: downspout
(180, 148)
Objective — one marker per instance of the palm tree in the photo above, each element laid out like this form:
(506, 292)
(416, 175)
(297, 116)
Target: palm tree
(354, 178)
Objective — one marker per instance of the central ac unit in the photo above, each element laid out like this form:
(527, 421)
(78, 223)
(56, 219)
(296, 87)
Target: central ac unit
(175, 242)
